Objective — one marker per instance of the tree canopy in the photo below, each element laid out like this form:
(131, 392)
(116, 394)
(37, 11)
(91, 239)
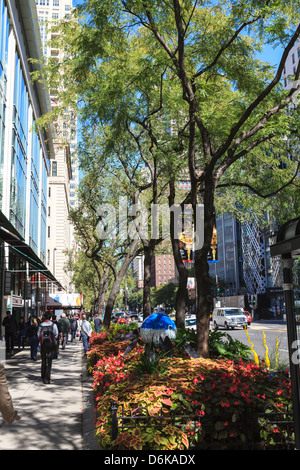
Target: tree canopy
(179, 85)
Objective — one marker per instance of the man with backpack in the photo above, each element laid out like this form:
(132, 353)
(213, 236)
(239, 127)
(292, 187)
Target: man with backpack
(48, 335)
(73, 326)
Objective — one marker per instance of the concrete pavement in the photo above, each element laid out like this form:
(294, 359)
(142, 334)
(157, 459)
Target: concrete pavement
(58, 416)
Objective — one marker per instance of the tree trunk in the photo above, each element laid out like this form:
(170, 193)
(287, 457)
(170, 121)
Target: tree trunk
(148, 257)
(182, 271)
(203, 303)
(103, 290)
(100, 292)
(117, 282)
(203, 280)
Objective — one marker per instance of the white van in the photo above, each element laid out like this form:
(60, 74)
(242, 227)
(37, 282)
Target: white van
(229, 317)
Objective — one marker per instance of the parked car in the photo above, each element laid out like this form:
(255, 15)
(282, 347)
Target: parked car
(229, 317)
(248, 316)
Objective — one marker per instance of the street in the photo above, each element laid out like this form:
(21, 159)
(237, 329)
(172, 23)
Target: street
(272, 331)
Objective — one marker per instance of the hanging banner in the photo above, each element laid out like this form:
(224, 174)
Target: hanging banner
(212, 256)
(69, 300)
(186, 242)
(186, 239)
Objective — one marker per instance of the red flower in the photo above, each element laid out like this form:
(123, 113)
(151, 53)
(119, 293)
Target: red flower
(225, 404)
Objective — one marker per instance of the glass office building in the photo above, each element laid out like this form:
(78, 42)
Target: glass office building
(25, 155)
(228, 269)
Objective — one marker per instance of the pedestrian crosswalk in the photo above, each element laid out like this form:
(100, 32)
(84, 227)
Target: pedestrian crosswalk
(273, 327)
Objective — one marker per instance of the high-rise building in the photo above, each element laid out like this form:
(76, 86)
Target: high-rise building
(64, 178)
(25, 156)
(163, 270)
(229, 267)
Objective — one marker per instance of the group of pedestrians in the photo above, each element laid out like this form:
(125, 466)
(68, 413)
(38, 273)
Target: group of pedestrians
(48, 335)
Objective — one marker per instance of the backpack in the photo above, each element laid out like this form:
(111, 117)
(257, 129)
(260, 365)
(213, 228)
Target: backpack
(47, 338)
(73, 324)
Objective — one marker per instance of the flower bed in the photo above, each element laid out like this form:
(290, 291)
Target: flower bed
(210, 391)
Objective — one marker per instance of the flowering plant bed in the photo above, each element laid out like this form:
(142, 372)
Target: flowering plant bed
(213, 392)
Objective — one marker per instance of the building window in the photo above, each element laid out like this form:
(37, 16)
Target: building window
(48, 231)
(54, 168)
(19, 148)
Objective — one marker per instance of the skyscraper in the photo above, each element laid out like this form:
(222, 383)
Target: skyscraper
(64, 177)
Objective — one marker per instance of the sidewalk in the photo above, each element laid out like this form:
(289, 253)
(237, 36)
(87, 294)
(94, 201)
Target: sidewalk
(59, 416)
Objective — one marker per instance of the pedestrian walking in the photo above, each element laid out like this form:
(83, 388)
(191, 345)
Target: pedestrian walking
(32, 337)
(56, 351)
(11, 327)
(64, 326)
(73, 326)
(22, 328)
(86, 331)
(9, 414)
(97, 323)
(47, 334)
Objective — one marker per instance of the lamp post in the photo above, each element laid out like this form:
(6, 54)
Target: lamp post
(288, 288)
(288, 246)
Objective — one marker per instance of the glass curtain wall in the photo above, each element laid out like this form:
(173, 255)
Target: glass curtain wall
(43, 212)
(34, 193)
(4, 30)
(19, 151)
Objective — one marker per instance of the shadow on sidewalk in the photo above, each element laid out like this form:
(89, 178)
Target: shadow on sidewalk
(58, 416)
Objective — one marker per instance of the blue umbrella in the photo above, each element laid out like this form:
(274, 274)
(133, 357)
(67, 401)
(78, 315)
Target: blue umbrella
(156, 326)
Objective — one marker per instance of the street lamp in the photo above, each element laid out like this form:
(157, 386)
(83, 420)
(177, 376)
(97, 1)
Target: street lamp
(288, 246)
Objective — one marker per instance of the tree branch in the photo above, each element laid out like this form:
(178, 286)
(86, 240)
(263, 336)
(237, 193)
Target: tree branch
(228, 44)
(235, 129)
(258, 192)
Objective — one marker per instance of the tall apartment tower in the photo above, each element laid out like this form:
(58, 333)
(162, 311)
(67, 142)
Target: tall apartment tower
(64, 176)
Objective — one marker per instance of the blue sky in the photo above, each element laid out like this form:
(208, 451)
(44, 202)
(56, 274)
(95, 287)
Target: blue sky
(271, 55)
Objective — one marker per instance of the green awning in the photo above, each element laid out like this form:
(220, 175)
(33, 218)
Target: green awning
(5, 223)
(27, 253)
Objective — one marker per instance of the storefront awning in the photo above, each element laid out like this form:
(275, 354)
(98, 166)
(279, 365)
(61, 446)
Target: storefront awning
(52, 302)
(27, 253)
(5, 223)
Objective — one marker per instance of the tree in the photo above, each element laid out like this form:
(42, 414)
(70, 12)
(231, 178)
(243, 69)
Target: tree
(98, 240)
(86, 279)
(226, 110)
